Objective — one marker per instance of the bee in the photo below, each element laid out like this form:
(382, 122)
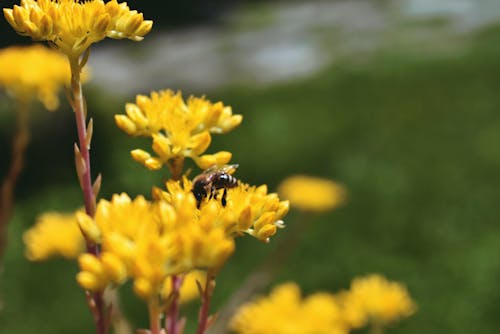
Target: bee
(212, 179)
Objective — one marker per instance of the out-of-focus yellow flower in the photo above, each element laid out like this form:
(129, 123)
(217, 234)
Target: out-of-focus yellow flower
(178, 128)
(72, 25)
(374, 298)
(284, 311)
(189, 289)
(54, 234)
(28, 72)
(148, 242)
(249, 209)
(314, 194)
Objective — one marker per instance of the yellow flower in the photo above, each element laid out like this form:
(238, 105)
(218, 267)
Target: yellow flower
(28, 72)
(252, 210)
(54, 234)
(312, 193)
(284, 311)
(178, 128)
(248, 209)
(148, 242)
(189, 289)
(72, 26)
(374, 298)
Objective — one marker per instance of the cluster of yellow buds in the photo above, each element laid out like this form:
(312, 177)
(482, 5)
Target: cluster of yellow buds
(375, 299)
(29, 72)
(72, 26)
(249, 209)
(371, 300)
(54, 234)
(150, 241)
(284, 311)
(312, 194)
(179, 129)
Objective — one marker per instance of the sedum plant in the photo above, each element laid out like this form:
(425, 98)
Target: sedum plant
(172, 245)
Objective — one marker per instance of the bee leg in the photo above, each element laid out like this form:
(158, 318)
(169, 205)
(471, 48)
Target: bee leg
(223, 199)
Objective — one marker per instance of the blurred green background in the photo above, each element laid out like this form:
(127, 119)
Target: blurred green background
(410, 126)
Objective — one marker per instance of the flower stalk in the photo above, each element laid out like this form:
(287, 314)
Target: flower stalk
(82, 161)
(172, 320)
(19, 144)
(84, 135)
(206, 296)
(154, 315)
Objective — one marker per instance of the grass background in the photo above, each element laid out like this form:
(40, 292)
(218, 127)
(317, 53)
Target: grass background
(414, 138)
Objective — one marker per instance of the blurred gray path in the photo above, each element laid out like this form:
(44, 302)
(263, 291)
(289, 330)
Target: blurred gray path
(268, 43)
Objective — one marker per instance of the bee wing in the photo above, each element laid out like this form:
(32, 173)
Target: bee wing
(228, 169)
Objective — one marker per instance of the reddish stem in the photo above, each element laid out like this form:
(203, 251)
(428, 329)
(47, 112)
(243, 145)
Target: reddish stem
(97, 303)
(172, 320)
(19, 144)
(81, 126)
(205, 304)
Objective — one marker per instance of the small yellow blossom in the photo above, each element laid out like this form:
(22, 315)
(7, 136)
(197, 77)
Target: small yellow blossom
(54, 234)
(189, 289)
(28, 72)
(179, 129)
(72, 25)
(284, 311)
(148, 242)
(374, 298)
(248, 209)
(312, 193)
(253, 210)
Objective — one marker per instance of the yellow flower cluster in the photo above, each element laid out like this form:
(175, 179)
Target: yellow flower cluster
(74, 25)
(28, 72)
(374, 298)
(285, 312)
(249, 209)
(313, 194)
(370, 300)
(54, 234)
(148, 242)
(178, 128)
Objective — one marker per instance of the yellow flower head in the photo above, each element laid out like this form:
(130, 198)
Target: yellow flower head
(54, 234)
(248, 210)
(314, 194)
(148, 242)
(72, 25)
(178, 128)
(284, 311)
(28, 72)
(374, 298)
